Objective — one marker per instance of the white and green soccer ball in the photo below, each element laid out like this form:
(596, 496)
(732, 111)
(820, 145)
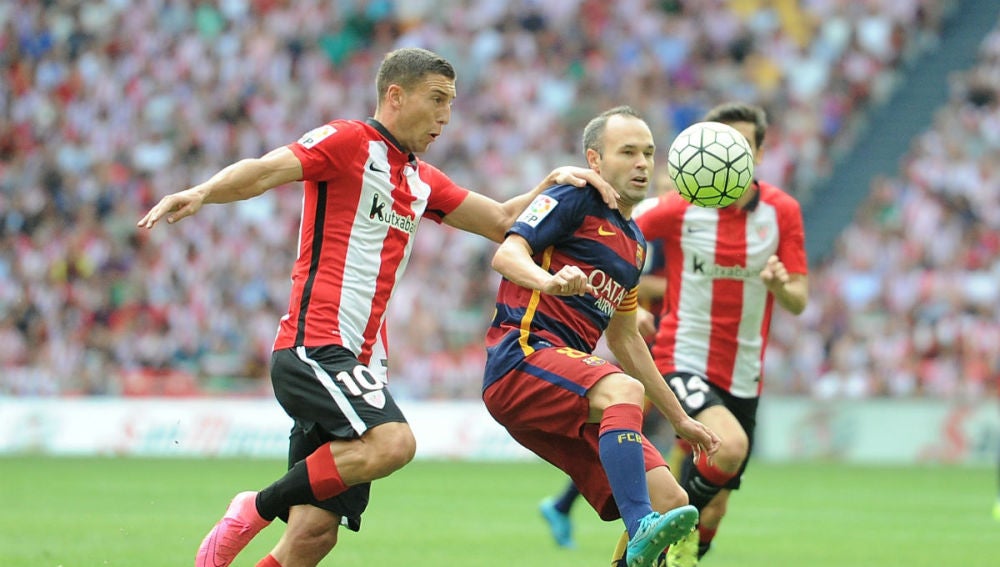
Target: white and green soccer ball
(711, 164)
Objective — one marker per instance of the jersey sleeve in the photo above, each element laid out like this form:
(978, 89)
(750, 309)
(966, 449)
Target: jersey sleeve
(446, 195)
(326, 150)
(551, 216)
(792, 237)
(655, 222)
(630, 303)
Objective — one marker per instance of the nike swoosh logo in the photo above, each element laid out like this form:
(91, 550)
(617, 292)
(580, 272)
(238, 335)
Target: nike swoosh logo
(601, 231)
(692, 229)
(372, 167)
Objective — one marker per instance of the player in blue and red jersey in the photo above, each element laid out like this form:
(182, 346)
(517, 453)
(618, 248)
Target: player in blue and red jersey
(556, 509)
(722, 272)
(364, 194)
(571, 266)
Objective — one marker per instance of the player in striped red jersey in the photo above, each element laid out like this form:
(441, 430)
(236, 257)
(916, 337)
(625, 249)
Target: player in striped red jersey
(365, 191)
(571, 267)
(725, 269)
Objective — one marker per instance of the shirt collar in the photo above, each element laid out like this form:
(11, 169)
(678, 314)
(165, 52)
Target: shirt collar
(751, 205)
(392, 139)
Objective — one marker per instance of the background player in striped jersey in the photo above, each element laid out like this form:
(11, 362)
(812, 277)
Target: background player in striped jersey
(364, 193)
(725, 268)
(571, 267)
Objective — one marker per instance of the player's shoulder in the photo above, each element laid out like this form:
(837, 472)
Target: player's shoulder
(565, 194)
(667, 203)
(773, 193)
(431, 174)
(562, 190)
(777, 197)
(644, 206)
(426, 168)
(338, 130)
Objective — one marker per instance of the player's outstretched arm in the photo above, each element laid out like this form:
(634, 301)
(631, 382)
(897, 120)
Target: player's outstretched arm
(482, 215)
(242, 180)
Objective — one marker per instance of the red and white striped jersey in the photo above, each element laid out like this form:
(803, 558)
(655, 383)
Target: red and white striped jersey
(717, 311)
(363, 198)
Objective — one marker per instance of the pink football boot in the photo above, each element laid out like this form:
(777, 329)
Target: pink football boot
(233, 532)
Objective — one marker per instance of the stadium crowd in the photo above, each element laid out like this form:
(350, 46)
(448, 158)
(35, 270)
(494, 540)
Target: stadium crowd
(107, 105)
(908, 305)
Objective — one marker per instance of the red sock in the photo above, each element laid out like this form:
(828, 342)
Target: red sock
(621, 417)
(324, 478)
(705, 535)
(710, 472)
(268, 561)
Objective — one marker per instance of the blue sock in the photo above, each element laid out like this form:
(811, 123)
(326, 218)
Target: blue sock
(565, 500)
(620, 445)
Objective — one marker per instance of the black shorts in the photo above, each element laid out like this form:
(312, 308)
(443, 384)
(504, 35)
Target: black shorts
(696, 393)
(330, 395)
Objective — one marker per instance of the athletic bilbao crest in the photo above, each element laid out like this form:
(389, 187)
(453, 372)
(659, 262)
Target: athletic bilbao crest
(375, 399)
(763, 231)
(364, 383)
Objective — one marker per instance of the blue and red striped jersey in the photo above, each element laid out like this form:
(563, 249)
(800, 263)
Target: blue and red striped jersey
(566, 225)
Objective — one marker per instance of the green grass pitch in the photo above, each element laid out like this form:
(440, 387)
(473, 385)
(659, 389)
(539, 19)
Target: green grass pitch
(135, 512)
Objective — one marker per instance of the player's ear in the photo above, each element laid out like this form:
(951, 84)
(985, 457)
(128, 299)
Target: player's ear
(394, 95)
(594, 159)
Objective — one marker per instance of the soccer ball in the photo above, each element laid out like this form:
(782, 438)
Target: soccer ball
(711, 164)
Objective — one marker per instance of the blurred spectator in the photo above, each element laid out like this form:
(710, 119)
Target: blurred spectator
(908, 303)
(109, 104)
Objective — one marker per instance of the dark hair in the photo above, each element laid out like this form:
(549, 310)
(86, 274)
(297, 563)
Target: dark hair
(408, 66)
(730, 112)
(594, 130)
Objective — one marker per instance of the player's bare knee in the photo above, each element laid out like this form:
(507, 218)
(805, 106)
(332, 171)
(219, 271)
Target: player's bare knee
(728, 464)
(732, 454)
(615, 389)
(390, 447)
(398, 454)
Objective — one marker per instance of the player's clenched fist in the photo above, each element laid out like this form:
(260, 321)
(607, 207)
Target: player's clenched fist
(774, 273)
(570, 280)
